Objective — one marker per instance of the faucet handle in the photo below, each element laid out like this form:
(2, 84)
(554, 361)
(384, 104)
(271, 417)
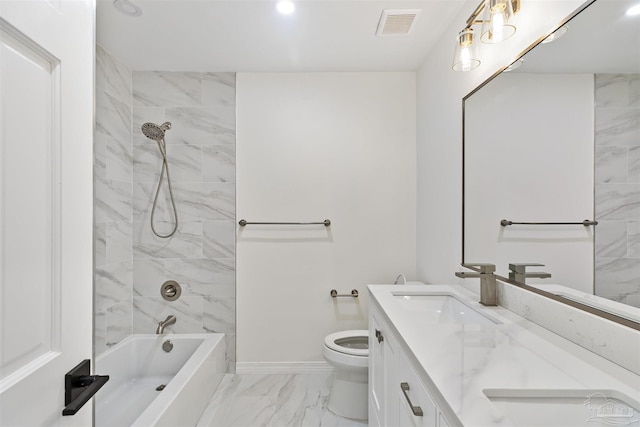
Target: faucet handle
(485, 268)
(518, 271)
(521, 267)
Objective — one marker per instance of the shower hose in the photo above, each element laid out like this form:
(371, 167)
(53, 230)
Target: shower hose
(165, 168)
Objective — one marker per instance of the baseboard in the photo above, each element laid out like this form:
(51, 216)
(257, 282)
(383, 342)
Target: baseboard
(283, 367)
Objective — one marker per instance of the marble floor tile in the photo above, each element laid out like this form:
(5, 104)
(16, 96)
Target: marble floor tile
(274, 400)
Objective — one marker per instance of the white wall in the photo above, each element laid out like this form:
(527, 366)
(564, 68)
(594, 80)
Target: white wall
(439, 131)
(529, 168)
(313, 146)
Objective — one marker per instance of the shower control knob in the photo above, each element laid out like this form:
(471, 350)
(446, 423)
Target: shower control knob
(170, 290)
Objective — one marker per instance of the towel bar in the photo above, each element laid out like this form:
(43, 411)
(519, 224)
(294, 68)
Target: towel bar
(586, 223)
(244, 222)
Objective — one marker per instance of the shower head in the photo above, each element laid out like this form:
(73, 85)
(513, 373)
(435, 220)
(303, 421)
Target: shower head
(155, 132)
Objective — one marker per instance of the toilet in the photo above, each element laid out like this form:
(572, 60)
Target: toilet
(348, 352)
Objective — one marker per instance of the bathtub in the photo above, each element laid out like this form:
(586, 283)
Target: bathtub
(138, 365)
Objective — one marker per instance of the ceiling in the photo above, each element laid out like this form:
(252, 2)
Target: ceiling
(249, 35)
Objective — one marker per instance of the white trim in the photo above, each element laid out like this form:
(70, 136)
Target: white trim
(283, 367)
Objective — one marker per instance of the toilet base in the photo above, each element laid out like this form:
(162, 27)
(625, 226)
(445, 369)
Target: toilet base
(348, 398)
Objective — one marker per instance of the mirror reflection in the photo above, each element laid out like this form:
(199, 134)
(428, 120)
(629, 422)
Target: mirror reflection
(557, 140)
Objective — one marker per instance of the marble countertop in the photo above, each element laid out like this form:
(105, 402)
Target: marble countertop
(462, 360)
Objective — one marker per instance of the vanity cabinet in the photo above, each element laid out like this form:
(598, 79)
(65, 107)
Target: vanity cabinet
(397, 396)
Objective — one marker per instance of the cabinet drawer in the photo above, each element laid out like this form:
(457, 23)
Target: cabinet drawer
(416, 406)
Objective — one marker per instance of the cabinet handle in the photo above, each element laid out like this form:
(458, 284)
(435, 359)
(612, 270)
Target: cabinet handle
(379, 336)
(417, 411)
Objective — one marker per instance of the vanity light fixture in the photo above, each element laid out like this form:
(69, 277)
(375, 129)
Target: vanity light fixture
(285, 7)
(126, 7)
(466, 54)
(496, 27)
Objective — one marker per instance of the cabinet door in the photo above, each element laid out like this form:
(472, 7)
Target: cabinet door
(416, 408)
(376, 370)
(383, 372)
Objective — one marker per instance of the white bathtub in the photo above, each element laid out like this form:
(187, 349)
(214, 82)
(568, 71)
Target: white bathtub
(191, 372)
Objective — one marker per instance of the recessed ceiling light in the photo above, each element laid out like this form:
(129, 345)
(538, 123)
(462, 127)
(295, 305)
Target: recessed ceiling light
(285, 7)
(126, 7)
(556, 34)
(634, 10)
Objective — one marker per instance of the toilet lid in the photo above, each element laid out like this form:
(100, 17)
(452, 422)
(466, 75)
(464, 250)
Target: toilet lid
(355, 342)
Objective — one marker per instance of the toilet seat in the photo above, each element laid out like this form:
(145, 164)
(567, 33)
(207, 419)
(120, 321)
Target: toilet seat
(330, 342)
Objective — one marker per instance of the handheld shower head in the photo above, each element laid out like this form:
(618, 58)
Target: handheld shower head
(155, 132)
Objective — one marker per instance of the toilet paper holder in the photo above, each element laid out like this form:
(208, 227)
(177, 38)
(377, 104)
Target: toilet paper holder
(335, 294)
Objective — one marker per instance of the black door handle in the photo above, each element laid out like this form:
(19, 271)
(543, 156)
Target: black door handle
(79, 387)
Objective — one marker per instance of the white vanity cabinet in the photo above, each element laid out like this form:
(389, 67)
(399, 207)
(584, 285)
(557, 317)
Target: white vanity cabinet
(397, 396)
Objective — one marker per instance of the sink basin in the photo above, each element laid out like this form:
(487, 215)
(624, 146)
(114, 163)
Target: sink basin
(565, 408)
(442, 309)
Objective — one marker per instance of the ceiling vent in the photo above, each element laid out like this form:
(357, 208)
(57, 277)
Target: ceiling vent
(397, 22)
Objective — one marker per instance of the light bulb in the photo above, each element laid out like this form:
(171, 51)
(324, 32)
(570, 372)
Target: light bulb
(496, 26)
(465, 58)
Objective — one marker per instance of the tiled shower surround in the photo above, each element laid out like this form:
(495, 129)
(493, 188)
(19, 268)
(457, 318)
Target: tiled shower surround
(201, 254)
(617, 188)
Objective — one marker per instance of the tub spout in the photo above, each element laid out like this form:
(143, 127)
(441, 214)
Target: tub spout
(170, 320)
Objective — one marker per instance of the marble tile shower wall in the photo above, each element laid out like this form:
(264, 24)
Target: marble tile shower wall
(113, 176)
(617, 187)
(201, 155)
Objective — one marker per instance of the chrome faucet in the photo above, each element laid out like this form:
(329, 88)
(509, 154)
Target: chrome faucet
(170, 320)
(518, 272)
(488, 294)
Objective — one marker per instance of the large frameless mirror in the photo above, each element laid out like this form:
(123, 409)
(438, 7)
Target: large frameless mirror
(554, 141)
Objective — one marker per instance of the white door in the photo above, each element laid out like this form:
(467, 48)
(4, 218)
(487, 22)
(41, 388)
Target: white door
(46, 116)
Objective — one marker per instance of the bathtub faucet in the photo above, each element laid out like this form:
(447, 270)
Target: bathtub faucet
(170, 320)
